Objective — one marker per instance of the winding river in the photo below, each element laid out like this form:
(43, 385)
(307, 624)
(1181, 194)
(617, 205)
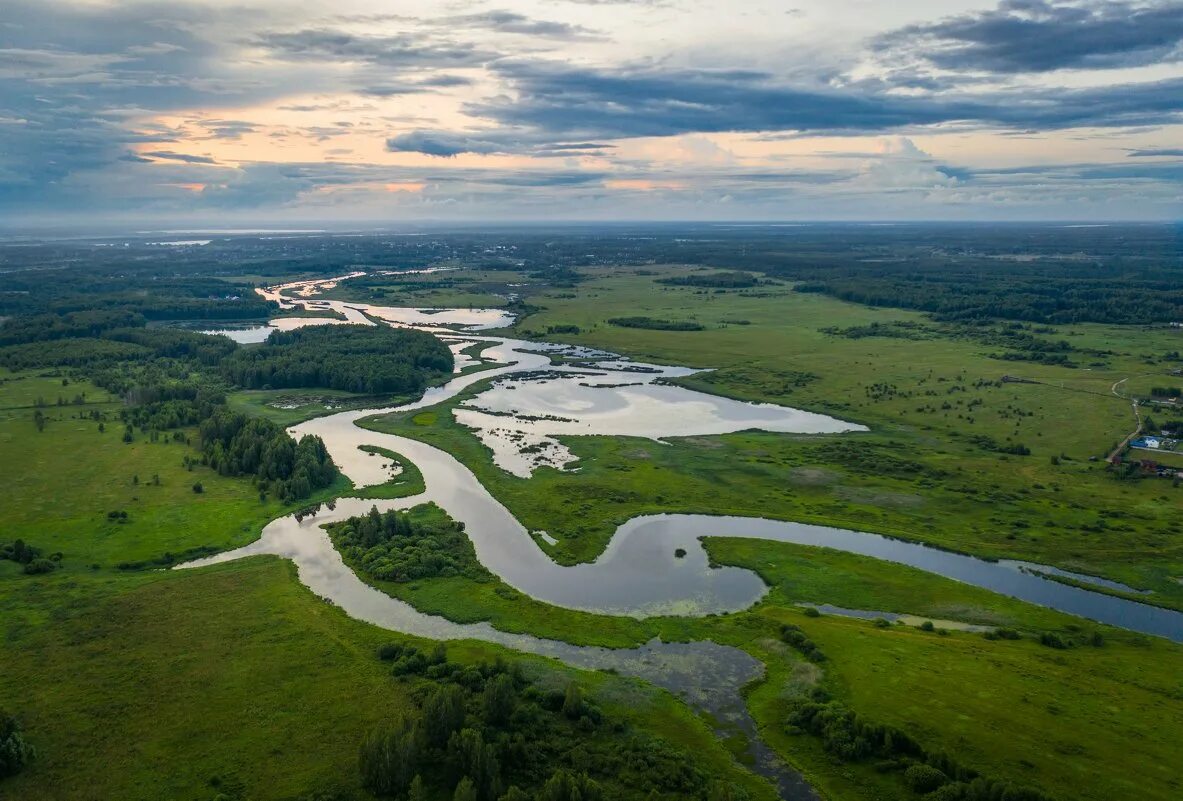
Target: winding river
(532, 399)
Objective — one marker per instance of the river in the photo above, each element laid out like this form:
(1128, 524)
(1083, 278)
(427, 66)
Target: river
(530, 401)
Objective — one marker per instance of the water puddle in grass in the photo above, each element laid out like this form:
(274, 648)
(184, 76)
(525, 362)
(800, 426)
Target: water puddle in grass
(258, 333)
(896, 617)
(1083, 578)
(591, 392)
(519, 417)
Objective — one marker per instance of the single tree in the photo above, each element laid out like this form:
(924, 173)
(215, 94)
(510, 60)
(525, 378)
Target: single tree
(465, 791)
(573, 701)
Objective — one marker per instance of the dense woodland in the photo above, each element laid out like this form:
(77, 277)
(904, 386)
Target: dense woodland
(656, 324)
(173, 381)
(1037, 272)
(237, 445)
(355, 358)
(488, 733)
(397, 546)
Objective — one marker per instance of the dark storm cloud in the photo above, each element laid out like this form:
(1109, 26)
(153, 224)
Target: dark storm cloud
(168, 155)
(75, 75)
(511, 22)
(593, 104)
(442, 143)
(1038, 36)
(404, 51)
(445, 144)
(554, 103)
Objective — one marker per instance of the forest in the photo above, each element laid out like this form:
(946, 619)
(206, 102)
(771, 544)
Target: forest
(488, 733)
(1032, 272)
(171, 379)
(237, 445)
(396, 546)
(354, 358)
(655, 324)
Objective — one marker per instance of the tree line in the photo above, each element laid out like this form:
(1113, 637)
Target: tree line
(486, 732)
(731, 279)
(354, 358)
(655, 324)
(236, 445)
(849, 737)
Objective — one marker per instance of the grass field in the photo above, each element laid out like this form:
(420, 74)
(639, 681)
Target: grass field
(70, 476)
(1054, 504)
(129, 681)
(987, 504)
(1029, 718)
(1016, 710)
(287, 407)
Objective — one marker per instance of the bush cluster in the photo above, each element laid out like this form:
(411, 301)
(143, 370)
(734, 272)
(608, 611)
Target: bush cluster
(15, 753)
(654, 324)
(354, 358)
(237, 445)
(21, 553)
(851, 738)
(486, 733)
(396, 546)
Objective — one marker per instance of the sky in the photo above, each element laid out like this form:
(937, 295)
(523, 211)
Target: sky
(357, 111)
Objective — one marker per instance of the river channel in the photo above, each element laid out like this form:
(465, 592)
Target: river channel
(538, 392)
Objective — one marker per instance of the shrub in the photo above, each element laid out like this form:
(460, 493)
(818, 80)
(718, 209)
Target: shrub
(573, 701)
(197, 488)
(796, 638)
(1052, 640)
(851, 738)
(389, 652)
(40, 565)
(954, 791)
(15, 753)
(924, 778)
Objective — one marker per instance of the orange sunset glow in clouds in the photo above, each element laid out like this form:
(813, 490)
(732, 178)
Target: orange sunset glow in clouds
(677, 109)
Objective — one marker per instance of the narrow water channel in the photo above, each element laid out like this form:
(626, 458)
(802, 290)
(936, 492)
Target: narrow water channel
(531, 401)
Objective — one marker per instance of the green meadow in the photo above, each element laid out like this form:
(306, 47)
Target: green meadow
(1015, 709)
(127, 677)
(1028, 718)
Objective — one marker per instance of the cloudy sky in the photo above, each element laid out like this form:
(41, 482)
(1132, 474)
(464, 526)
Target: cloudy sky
(361, 110)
